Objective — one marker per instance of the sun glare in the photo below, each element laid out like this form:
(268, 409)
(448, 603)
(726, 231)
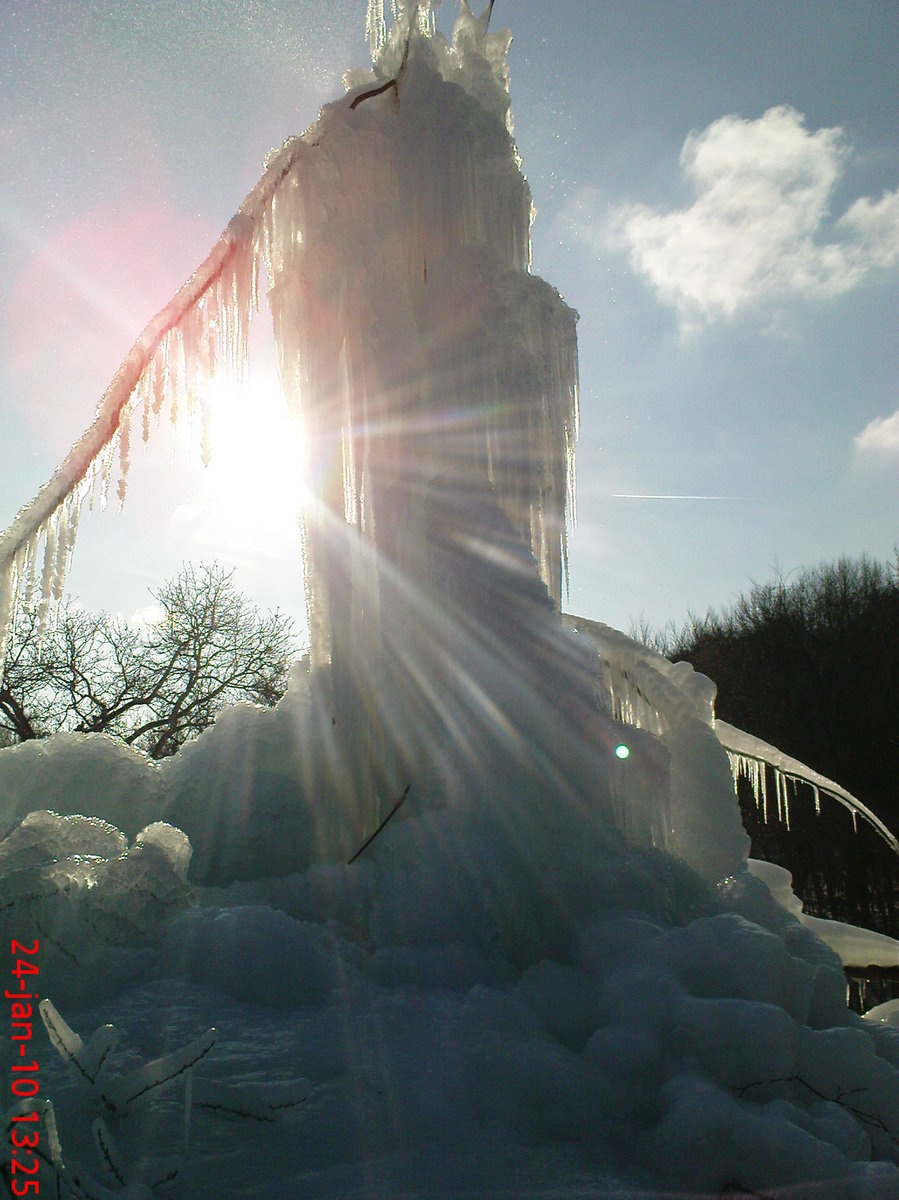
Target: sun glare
(255, 447)
(248, 498)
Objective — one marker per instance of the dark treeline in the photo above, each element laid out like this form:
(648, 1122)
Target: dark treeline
(810, 663)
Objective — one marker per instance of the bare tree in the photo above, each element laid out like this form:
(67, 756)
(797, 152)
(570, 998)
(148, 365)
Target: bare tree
(154, 687)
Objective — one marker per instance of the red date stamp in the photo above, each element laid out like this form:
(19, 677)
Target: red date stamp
(24, 1138)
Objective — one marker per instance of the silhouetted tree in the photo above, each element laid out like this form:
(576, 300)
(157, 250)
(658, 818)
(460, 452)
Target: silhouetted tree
(156, 686)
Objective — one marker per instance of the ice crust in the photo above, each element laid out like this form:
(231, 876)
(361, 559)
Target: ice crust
(552, 974)
(75, 881)
(855, 946)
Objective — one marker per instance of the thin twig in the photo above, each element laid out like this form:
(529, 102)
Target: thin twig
(368, 841)
(873, 1120)
(391, 83)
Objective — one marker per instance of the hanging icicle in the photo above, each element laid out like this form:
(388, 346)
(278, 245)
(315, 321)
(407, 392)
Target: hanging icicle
(375, 27)
(124, 455)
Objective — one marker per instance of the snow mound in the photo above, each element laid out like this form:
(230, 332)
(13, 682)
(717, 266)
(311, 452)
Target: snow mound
(76, 882)
(79, 773)
(500, 999)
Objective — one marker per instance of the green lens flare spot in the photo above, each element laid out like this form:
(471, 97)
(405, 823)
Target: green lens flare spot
(622, 751)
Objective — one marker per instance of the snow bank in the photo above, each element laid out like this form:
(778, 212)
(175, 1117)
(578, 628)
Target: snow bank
(855, 946)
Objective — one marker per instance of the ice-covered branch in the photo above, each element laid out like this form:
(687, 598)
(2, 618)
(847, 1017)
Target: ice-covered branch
(750, 755)
(206, 320)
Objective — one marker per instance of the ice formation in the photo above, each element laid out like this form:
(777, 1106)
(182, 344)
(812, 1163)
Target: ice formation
(437, 382)
(78, 880)
(750, 755)
(641, 687)
(436, 379)
(856, 947)
(552, 974)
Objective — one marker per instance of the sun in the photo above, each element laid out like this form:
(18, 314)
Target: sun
(246, 502)
(253, 447)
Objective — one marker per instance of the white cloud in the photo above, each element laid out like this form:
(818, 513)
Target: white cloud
(762, 191)
(150, 614)
(880, 437)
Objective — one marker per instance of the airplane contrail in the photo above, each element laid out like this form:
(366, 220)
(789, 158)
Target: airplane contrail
(646, 496)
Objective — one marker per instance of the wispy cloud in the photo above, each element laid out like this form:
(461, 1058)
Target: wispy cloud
(879, 438)
(753, 233)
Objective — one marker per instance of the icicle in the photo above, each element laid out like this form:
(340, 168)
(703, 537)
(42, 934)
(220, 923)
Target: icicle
(425, 17)
(106, 474)
(145, 412)
(188, 356)
(7, 608)
(375, 27)
(29, 569)
(757, 775)
(47, 575)
(175, 377)
(736, 768)
(17, 576)
(72, 514)
(124, 455)
(817, 794)
(157, 378)
(206, 430)
(734, 763)
(61, 559)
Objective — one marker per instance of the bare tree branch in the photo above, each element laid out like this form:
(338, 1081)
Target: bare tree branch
(155, 688)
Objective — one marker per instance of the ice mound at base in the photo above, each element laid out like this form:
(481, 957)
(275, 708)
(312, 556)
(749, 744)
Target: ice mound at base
(504, 994)
(505, 1000)
(68, 773)
(500, 1030)
(82, 888)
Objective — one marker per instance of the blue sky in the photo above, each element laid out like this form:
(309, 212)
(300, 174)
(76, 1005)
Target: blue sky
(716, 190)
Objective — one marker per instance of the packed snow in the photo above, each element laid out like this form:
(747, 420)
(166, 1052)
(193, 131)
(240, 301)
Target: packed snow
(550, 973)
(855, 946)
